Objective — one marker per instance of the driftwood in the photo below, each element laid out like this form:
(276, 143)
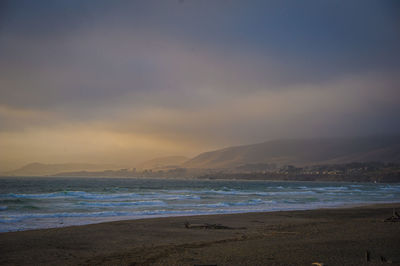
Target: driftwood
(208, 226)
(394, 218)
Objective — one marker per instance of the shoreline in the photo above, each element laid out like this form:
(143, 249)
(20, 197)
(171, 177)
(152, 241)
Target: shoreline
(202, 179)
(150, 217)
(334, 236)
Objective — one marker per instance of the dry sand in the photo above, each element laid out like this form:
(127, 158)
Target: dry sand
(329, 236)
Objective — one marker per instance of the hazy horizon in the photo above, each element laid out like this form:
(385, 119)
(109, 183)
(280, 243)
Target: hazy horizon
(122, 82)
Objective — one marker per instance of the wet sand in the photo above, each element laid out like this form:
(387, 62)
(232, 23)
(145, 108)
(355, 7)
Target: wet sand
(330, 236)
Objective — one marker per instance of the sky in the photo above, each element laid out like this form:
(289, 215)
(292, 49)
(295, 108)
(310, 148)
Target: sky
(125, 81)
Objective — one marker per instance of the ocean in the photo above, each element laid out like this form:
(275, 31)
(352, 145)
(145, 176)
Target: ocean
(34, 203)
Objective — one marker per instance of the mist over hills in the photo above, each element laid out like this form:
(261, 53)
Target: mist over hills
(40, 169)
(297, 152)
(301, 152)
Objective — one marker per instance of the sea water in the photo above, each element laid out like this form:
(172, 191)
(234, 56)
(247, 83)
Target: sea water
(34, 203)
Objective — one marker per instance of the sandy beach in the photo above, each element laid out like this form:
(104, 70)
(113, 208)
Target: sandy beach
(343, 236)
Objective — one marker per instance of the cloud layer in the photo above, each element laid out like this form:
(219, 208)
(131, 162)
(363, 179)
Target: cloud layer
(122, 82)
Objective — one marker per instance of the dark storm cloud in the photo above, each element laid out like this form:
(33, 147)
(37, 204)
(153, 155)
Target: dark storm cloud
(283, 42)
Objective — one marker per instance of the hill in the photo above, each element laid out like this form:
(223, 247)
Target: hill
(39, 169)
(302, 152)
(163, 162)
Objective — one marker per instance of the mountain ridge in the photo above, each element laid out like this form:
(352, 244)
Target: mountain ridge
(302, 152)
(39, 169)
(297, 152)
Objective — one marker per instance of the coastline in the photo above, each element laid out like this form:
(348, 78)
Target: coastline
(196, 179)
(113, 219)
(334, 236)
(50, 203)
